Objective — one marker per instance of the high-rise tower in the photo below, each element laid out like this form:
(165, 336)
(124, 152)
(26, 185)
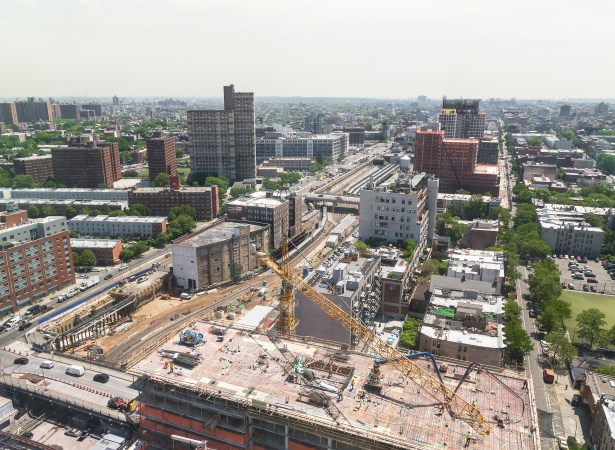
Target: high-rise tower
(223, 142)
(461, 119)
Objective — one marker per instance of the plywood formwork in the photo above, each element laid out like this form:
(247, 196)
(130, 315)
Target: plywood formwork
(253, 378)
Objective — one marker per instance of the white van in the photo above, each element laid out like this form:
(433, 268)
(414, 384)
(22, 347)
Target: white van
(46, 364)
(76, 371)
(185, 296)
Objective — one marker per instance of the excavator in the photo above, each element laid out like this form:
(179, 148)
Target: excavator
(456, 405)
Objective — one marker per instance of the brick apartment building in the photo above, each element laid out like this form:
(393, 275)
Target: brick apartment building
(161, 156)
(204, 200)
(87, 165)
(453, 161)
(35, 258)
(40, 168)
(106, 251)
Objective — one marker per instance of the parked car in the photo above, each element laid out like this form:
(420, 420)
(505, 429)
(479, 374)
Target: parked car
(533, 314)
(108, 276)
(571, 286)
(142, 280)
(46, 364)
(592, 280)
(21, 361)
(562, 442)
(586, 287)
(390, 340)
(101, 378)
(74, 432)
(24, 325)
(593, 288)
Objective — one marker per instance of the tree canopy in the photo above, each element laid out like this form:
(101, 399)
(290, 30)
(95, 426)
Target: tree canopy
(591, 324)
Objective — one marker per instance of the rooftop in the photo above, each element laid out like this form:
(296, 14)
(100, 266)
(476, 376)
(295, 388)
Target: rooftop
(463, 336)
(121, 219)
(93, 243)
(221, 232)
(249, 369)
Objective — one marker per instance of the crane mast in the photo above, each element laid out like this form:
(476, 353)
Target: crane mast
(447, 398)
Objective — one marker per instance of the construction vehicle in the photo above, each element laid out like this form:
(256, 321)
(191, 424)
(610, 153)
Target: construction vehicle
(286, 323)
(190, 338)
(122, 404)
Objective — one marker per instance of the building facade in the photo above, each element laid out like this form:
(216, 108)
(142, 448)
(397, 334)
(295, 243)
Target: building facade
(8, 113)
(204, 200)
(454, 162)
(34, 111)
(223, 141)
(87, 165)
(127, 226)
(116, 195)
(70, 112)
(40, 168)
(488, 151)
(219, 254)
(461, 119)
(567, 233)
(35, 259)
(406, 212)
(271, 210)
(106, 251)
(161, 157)
(328, 146)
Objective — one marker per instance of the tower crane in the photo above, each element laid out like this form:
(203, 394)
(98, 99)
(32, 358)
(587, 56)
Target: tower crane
(455, 404)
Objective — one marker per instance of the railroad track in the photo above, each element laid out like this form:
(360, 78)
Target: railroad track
(138, 348)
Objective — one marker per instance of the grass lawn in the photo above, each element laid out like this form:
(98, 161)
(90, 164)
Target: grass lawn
(580, 301)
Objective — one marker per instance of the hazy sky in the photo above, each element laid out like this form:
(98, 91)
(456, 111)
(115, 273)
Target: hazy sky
(353, 48)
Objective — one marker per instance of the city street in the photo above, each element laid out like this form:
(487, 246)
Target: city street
(547, 401)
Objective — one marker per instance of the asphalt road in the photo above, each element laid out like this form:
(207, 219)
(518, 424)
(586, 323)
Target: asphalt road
(550, 421)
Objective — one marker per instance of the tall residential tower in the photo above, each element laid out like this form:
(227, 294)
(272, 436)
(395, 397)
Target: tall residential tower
(223, 142)
(461, 119)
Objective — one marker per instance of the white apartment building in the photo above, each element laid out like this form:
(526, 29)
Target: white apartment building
(109, 226)
(568, 234)
(118, 195)
(323, 146)
(477, 265)
(407, 211)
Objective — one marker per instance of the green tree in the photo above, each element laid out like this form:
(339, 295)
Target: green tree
(594, 220)
(23, 181)
(177, 211)
(33, 211)
(447, 225)
(162, 179)
(183, 223)
(518, 342)
(606, 370)
(561, 348)
(71, 211)
(512, 311)
(606, 163)
(48, 210)
(410, 332)
(591, 323)
(534, 142)
(525, 213)
(361, 246)
(126, 254)
(475, 208)
(139, 248)
(87, 258)
(138, 209)
(545, 285)
(408, 252)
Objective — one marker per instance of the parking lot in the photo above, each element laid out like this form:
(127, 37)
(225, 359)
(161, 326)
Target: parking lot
(604, 285)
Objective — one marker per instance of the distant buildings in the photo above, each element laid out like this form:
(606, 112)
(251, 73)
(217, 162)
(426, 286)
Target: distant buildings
(321, 147)
(461, 119)
(34, 111)
(118, 195)
(125, 226)
(564, 111)
(96, 109)
(218, 254)
(160, 200)
(161, 157)
(488, 150)
(40, 168)
(35, 258)
(116, 100)
(397, 213)
(356, 136)
(223, 141)
(8, 113)
(88, 165)
(289, 164)
(70, 112)
(454, 162)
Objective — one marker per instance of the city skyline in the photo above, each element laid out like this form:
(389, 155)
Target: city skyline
(337, 49)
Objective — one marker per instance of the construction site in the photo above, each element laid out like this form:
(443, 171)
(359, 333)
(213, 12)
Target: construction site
(248, 382)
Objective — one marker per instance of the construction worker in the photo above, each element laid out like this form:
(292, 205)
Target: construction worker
(352, 385)
(468, 439)
(474, 404)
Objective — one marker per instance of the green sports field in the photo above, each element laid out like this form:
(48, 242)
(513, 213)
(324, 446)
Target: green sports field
(580, 301)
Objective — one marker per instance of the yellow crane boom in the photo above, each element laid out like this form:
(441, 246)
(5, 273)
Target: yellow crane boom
(447, 398)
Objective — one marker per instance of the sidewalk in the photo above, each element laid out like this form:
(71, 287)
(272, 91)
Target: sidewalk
(577, 420)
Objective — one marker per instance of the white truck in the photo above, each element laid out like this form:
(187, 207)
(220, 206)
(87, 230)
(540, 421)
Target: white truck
(87, 284)
(262, 292)
(332, 240)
